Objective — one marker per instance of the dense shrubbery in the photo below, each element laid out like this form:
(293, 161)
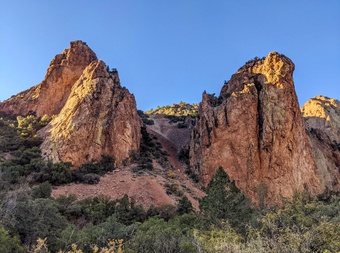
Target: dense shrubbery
(302, 225)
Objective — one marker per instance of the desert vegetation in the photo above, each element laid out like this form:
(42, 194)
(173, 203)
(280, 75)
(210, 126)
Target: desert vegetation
(33, 221)
(180, 109)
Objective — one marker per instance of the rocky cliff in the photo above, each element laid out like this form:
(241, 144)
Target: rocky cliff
(50, 95)
(322, 120)
(94, 115)
(323, 113)
(99, 118)
(255, 131)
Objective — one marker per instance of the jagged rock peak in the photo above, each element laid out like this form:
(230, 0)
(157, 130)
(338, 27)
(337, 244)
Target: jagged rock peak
(273, 69)
(50, 95)
(99, 118)
(254, 130)
(323, 113)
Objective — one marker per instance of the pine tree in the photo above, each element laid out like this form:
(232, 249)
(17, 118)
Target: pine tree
(184, 206)
(225, 202)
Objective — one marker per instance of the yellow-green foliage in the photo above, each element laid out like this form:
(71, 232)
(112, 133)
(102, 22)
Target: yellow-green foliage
(180, 109)
(29, 125)
(114, 246)
(213, 239)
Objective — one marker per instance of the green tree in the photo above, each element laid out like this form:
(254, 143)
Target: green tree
(225, 202)
(184, 206)
(8, 243)
(38, 219)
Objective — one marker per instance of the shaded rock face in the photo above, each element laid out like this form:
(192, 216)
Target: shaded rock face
(254, 130)
(323, 113)
(322, 117)
(50, 95)
(99, 118)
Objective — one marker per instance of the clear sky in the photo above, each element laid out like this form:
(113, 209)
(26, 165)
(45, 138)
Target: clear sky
(167, 51)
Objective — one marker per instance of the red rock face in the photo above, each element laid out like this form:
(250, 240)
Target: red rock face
(99, 118)
(50, 95)
(94, 115)
(256, 133)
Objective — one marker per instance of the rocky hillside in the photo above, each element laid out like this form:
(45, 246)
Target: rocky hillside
(255, 131)
(94, 116)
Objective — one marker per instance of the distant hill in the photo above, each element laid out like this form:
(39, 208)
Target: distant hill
(180, 109)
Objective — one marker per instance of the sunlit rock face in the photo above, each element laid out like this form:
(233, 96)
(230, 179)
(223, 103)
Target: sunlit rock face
(255, 131)
(98, 118)
(322, 120)
(93, 114)
(50, 95)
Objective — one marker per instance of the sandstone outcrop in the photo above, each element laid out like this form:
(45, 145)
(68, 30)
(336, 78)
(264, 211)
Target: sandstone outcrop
(99, 118)
(255, 131)
(50, 95)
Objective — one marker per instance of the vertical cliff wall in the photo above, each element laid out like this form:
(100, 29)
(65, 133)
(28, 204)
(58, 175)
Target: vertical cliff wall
(255, 131)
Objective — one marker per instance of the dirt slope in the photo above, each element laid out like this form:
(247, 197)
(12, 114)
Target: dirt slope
(150, 187)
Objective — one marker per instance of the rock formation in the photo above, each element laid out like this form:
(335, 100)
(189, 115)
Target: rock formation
(50, 95)
(94, 115)
(323, 113)
(322, 118)
(255, 131)
(99, 118)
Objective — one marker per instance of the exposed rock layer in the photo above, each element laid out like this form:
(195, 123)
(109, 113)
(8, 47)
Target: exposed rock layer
(50, 95)
(99, 118)
(254, 130)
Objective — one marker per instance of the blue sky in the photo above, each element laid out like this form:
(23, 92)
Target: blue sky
(170, 51)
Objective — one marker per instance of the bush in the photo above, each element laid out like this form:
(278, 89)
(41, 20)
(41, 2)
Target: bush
(183, 154)
(105, 165)
(42, 191)
(60, 174)
(167, 211)
(156, 235)
(91, 178)
(8, 243)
